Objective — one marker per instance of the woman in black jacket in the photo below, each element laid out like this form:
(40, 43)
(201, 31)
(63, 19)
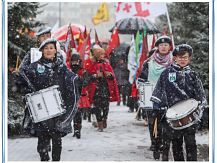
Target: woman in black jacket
(46, 72)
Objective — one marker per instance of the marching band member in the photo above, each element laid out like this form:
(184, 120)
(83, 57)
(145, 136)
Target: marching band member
(151, 71)
(102, 87)
(178, 83)
(49, 70)
(34, 54)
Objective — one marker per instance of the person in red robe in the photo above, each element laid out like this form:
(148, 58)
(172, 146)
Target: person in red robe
(102, 87)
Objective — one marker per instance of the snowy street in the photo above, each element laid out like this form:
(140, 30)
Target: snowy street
(125, 139)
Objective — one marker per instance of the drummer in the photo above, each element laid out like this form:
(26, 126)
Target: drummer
(49, 70)
(160, 59)
(42, 34)
(177, 83)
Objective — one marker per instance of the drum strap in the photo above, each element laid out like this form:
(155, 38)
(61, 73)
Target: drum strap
(155, 128)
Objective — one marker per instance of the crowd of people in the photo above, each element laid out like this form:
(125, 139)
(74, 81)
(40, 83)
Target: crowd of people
(88, 87)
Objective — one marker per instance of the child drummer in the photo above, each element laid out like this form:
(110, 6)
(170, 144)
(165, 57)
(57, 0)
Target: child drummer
(178, 83)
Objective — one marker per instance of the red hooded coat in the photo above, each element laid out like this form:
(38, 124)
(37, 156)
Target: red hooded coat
(93, 68)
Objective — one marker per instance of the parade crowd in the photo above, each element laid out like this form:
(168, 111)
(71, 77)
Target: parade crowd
(86, 87)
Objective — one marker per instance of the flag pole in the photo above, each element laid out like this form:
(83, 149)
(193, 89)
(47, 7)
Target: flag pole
(170, 28)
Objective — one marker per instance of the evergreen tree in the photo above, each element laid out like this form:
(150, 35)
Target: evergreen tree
(190, 24)
(20, 39)
(21, 22)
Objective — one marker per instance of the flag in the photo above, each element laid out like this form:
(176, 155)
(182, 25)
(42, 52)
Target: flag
(69, 44)
(85, 48)
(153, 42)
(80, 41)
(113, 42)
(137, 46)
(143, 56)
(101, 15)
(132, 66)
(85, 32)
(97, 39)
(148, 10)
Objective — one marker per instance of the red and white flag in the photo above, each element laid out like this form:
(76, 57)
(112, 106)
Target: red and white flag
(148, 10)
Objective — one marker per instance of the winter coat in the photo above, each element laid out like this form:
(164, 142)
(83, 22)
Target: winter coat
(45, 73)
(93, 68)
(122, 74)
(177, 84)
(27, 60)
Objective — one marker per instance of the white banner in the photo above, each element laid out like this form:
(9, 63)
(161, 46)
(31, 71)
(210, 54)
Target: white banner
(148, 10)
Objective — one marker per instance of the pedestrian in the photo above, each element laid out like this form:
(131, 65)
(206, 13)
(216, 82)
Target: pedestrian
(177, 83)
(159, 60)
(50, 70)
(83, 103)
(122, 76)
(34, 54)
(102, 87)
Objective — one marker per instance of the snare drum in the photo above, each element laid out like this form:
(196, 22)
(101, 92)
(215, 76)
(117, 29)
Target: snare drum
(45, 104)
(145, 93)
(184, 114)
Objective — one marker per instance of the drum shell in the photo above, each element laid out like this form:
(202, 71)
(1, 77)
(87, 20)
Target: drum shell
(186, 119)
(145, 93)
(45, 104)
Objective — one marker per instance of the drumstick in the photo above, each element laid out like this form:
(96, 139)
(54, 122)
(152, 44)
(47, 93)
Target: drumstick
(155, 128)
(137, 114)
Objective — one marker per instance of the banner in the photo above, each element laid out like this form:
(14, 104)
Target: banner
(148, 10)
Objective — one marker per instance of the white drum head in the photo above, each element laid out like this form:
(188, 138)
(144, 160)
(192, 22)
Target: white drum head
(181, 109)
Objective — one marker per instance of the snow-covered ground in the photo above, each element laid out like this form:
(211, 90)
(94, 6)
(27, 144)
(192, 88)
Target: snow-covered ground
(125, 139)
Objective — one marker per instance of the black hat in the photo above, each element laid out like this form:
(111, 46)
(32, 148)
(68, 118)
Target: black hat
(183, 47)
(43, 30)
(75, 57)
(47, 41)
(163, 39)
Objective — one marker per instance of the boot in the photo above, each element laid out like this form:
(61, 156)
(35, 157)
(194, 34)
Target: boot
(95, 124)
(104, 123)
(156, 154)
(100, 126)
(77, 130)
(118, 103)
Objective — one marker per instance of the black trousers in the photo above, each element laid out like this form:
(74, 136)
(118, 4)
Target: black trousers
(43, 143)
(150, 118)
(123, 92)
(101, 108)
(188, 136)
(78, 117)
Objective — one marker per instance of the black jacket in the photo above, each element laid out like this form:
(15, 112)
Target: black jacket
(176, 84)
(45, 73)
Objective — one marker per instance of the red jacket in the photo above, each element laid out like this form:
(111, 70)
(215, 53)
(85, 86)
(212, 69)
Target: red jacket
(93, 68)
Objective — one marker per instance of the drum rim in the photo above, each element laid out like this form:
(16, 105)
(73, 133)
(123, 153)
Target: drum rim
(42, 90)
(183, 115)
